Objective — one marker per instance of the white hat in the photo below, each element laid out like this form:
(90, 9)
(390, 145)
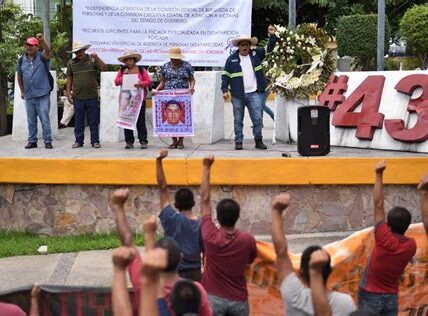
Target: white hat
(78, 45)
(252, 40)
(175, 53)
(130, 54)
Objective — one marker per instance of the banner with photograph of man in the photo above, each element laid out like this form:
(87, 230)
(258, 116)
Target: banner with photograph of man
(172, 114)
(130, 102)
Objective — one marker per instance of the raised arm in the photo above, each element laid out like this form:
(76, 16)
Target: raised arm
(100, 63)
(283, 261)
(121, 258)
(149, 228)
(317, 262)
(160, 175)
(205, 185)
(46, 49)
(423, 200)
(379, 210)
(35, 301)
(118, 200)
(154, 261)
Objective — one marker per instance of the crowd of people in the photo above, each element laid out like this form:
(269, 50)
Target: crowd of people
(200, 266)
(243, 78)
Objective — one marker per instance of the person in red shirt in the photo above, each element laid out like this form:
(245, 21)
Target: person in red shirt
(228, 251)
(392, 251)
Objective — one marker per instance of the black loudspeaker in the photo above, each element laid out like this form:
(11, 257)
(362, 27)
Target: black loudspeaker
(313, 126)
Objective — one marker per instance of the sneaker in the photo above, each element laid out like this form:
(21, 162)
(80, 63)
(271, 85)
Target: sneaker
(144, 146)
(260, 144)
(238, 146)
(129, 146)
(30, 145)
(60, 126)
(77, 145)
(96, 145)
(48, 146)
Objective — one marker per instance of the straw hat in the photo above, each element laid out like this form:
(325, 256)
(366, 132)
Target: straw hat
(130, 54)
(175, 53)
(78, 45)
(252, 40)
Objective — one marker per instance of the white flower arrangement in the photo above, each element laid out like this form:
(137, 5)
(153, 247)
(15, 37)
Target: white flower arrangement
(300, 64)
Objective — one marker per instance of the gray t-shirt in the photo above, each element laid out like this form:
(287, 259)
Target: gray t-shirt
(298, 300)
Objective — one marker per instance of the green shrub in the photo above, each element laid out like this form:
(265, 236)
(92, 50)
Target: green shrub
(357, 37)
(414, 28)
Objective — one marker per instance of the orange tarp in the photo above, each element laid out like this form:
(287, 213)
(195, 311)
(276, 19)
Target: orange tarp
(348, 257)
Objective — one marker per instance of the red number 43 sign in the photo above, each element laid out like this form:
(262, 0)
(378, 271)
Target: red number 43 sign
(369, 95)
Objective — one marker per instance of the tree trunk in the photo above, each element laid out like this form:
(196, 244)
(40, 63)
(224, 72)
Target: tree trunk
(3, 102)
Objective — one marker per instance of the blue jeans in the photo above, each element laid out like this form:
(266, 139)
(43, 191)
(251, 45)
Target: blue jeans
(89, 107)
(253, 102)
(266, 109)
(39, 106)
(224, 307)
(384, 304)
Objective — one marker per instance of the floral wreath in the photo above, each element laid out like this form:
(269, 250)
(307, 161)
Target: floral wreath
(300, 64)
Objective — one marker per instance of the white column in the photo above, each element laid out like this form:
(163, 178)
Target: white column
(208, 108)
(20, 127)
(109, 132)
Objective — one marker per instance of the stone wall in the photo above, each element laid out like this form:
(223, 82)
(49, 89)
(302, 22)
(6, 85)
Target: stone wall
(76, 209)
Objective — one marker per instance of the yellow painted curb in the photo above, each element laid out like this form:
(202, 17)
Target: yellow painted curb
(226, 171)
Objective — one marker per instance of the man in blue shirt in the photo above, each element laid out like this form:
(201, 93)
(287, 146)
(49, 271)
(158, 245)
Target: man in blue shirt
(33, 80)
(183, 226)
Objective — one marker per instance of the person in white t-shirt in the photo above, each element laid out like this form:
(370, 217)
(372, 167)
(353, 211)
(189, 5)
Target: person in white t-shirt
(296, 288)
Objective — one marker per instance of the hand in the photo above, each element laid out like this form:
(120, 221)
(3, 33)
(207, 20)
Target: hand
(208, 161)
(94, 55)
(138, 85)
(163, 153)
(281, 202)
(35, 291)
(40, 37)
(120, 196)
(319, 259)
(154, 91)
(123, 256)
(150, 225)
(423, 184)
(380, 167)
(192, 90)
(226, 96)
(154, 261)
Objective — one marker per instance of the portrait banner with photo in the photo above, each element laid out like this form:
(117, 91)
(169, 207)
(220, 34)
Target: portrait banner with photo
(130, 102)
(172, 114)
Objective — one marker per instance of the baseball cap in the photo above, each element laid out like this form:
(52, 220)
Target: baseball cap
(32, 41)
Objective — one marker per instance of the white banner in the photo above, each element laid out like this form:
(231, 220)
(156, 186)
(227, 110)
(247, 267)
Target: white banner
(202, 28)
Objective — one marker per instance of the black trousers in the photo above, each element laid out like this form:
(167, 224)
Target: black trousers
(141, 128)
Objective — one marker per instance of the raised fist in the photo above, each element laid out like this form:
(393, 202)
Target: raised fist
(120, 196)
(281, 202)
(208, 161)
(163, 153)
(318, 260)
(123, 256)
(150, 225)
(380, 167)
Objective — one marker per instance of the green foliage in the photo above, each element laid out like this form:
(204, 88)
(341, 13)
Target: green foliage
(391, 64)
(15, 27)
(357, 37)
(414, 28)
(26, 243)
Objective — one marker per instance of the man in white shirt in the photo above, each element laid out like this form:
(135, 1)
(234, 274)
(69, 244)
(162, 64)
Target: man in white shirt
(243, 76)
(295, 291)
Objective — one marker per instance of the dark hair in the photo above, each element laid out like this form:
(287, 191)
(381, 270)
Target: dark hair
(228, 212)
(174, 102)
(184, 199)
(304, 265)
(185, 298)
(399, 219)
(173, 250)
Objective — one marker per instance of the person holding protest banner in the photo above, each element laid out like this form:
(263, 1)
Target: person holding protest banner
(130, 59)
(82, 92)
(176, 74)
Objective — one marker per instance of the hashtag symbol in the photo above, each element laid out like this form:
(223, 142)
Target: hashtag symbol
(332, 95)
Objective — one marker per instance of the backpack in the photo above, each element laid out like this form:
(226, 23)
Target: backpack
(50, 77)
